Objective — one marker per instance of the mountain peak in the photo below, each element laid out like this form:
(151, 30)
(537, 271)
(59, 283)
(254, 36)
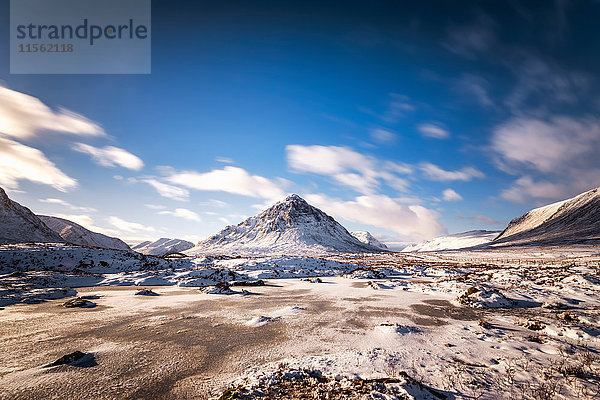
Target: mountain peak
(20, 225)
(294, 198)
(291, 226)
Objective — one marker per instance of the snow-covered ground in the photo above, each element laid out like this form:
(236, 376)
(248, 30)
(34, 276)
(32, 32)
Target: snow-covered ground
(479, 324)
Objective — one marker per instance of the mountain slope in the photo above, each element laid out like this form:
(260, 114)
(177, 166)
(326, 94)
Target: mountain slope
(367, 238)
(163, 246)
(575, 220)
(453, 242)
(291, 227)
(19, 225)
(77, 234)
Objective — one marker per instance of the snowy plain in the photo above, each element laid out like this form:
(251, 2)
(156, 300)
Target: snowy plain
(518, 323)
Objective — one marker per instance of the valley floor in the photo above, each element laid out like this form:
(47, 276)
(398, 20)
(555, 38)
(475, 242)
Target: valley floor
(494, 324)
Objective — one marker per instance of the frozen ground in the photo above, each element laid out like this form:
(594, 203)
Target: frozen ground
(482, 324)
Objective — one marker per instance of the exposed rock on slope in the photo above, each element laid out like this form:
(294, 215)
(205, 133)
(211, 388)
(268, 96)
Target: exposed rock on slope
(367, 238)
(163, 246)
(77, 234)
(19, 225)
(453, 242)
(572, 221)
(291, 227)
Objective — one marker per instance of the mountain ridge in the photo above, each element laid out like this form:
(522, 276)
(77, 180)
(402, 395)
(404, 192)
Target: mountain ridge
(291, 226)
(571, 221)
(20, 225)
(163, 246)
(76, 234)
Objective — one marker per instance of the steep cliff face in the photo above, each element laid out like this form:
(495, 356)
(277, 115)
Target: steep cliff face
(571, 221)
(19, 225)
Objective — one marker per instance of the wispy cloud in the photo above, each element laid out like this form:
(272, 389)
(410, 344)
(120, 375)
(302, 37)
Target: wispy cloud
(225, 160)
(436, 173)
(230, 180)
(451, 195)
(347, 167)
(132, 227)
(110, 156)
(471, 40)
(182, 213)
(474, 87)
(383, 136)
(67, 205)
(411, 221)
(399, 106)
(20, 162)
(168, 191)
(543, 80)
(23, 116)
(557, 157)
(434, 131)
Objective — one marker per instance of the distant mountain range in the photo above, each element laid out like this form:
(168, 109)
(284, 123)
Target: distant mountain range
(291, 226)
(163, 246)
(294, 227)
(456, 241)
(77, 234)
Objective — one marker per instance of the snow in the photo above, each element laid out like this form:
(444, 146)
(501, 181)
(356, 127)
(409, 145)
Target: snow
(163, 246)
(453, 242)
(18, 224)
(571, 221)
(291, 227)
(374, 316)
(77, 234)
(367, 238)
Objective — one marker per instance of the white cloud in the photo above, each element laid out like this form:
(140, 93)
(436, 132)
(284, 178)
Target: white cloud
(436, 173)
(556, 157)
(23, 116)
(183, 213)
(18, 162)
(231, 180)
(155, 206)
(412, 221)
(123, 225)
(67, 204)
(399, 106)
(383, 136)
(110, 156)
(347, 167)
(433, 131)
(225, 160)
(547, 145)
(451, 195)
(169, 191)
(525, 188)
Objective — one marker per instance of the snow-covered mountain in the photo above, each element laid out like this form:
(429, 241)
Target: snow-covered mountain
(453, 242)
(291, 227)
(367, 238)
(163, 246)
(19, 225)
(77, 234)
(575, 220)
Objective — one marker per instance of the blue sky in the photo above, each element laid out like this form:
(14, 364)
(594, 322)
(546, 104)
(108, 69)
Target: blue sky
(406, 120)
